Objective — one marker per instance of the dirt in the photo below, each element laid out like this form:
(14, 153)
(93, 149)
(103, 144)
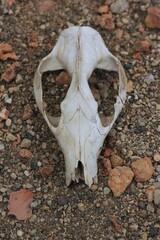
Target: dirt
(77, 212)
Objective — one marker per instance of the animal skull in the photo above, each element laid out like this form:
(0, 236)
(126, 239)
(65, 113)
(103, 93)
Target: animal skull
(79, 130)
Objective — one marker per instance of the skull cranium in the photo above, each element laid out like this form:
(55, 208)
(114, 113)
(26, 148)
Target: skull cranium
(79, 130)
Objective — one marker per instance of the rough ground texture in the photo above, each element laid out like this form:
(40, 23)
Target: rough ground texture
(27, 145)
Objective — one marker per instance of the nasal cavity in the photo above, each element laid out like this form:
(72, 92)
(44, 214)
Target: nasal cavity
(80, 170)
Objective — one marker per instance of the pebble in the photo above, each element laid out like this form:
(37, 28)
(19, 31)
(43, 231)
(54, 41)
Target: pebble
(26, 173)
(13, 176)
(81, 207)
(32, 232)
(1, 146)
(119, 6)
(156, 157)
(33, 165)
(94, 187)
(143, 169)
(158, 168)
(150, 208)
(149, 79)
(62, 200)
(106, 190)
(157, 197)
(26, 143)
(3, 190)
(8, 122)
(158, 129)
(116, 161)
(119, 179)
(20, 233)
(11, 137)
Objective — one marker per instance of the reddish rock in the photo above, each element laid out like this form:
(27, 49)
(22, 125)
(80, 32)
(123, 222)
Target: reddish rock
(45, 6)
(11, 72)
(142, 46)
(6, 52)
(150, 193)
(107, 152)
(143, 169)
(119, 33)
(103, 9)
(116, 161)
(33, 39)
(25, 153)
(153, 18)
(63, 78)
(46, 170)
(107, 165)
(106, 21)
(115, 222)
(27, 112)
(119, 179)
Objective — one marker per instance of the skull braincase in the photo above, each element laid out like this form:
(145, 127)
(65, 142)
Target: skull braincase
(79, 131)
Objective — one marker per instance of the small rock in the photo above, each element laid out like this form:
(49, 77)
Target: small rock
(119, 6)
(107, 152)
(150, 193)
(158, 129)
(1, 146)
(27, 112)
(26, 173)
(46, 170)
(20, 233)
(129, 86)
(81, 207)
(157, 197)
(33, 165)
(11, 137)
(149, 79)
(63, 78)
(150, 208)
(156, 157)
(153, 18)
(107, 165)
(25, 153)
(14, 89)
(116, 161)
(154, 231)
(94, 187)
(44, 145)
(143, 236)
(158, 168)
(26, 143)
(103, 9)
(106, 190)
(142, 46)
(119, 179)
(13, 176)
(143, 169)
(3, 190)
(32, 232)
(8, 122)
(62, 200)
(106, 21)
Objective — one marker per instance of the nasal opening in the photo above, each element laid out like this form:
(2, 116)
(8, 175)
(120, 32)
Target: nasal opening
(79, 171)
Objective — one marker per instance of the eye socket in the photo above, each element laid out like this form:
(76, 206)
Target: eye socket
(104, 87)
(55, 87)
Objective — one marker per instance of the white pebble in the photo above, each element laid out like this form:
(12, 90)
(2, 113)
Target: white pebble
(11, 137)
(1, 146)
(26, 173)
(13, 175)
(8, 122)
(20, 233)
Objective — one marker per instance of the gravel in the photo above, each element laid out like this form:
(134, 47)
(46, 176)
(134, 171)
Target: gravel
(77, 212)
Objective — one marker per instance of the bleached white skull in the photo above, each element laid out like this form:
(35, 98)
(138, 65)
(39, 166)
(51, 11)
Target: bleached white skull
(79, 130)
